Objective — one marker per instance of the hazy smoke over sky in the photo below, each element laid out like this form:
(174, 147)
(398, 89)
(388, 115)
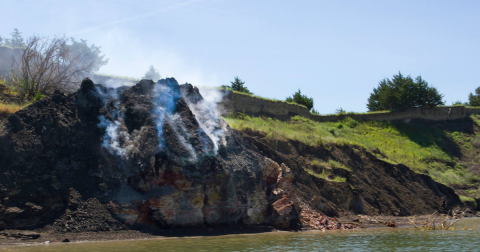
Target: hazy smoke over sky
(131, 57)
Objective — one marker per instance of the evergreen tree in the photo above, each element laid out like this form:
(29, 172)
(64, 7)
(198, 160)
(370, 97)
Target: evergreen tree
(298, 98)
(402, 93)
(474, 99)
(152, 74)
(238, 85)
(16, 39)
(1, 40)
(88, 57)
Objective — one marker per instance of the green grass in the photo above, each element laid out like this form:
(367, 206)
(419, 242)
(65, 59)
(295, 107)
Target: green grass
(475, 119)
(327, 175)
(424, 149)
(465, 199)
(6, 109)
(329, 164)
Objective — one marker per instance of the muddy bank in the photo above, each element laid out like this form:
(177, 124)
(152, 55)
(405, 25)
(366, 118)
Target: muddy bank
(16, 237)
(41, 236)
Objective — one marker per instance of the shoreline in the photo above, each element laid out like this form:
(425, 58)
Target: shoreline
(131, 235)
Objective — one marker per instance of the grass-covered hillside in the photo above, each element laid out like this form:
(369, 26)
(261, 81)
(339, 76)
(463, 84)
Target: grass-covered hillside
(449, 156)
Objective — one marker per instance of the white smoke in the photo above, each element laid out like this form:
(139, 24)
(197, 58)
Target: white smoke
(115, 83)
(118, 141)
(111, 139)
(130, 56)
(208, 116)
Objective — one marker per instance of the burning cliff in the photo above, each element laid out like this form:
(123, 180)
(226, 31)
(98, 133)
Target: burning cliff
(158, 155)
(153, 154)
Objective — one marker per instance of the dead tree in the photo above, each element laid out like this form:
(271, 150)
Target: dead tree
(46, 65)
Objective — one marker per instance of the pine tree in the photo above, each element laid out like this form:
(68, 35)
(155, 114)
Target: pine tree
(402, 93)
(238, 85)
(474, 99)
(152, 74)
(16, 39)
(301, 99)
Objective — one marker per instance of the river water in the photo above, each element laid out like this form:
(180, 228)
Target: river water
(374, 239)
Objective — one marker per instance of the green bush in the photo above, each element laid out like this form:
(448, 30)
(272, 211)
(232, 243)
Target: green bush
(459, 103)
(239, 86)
(297, 97)
(37, 97)
(340, 111)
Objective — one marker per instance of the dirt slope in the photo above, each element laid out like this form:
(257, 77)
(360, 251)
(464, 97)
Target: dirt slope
(372, 186)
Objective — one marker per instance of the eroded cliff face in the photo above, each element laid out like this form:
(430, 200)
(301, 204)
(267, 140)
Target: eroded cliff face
(155, 154)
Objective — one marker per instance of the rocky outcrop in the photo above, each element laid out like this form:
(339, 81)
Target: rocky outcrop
(153, 154)
(156, 155)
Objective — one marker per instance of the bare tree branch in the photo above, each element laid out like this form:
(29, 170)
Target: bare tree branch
(46, 65)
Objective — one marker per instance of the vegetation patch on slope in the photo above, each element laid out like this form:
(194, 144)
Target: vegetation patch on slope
(424, 148)
(6, 109)
(10, 100)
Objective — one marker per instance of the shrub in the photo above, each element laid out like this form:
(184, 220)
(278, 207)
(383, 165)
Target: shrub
(459, 103)
(152, 74)
(301, 99)
(340, 111)
(37, 97)
(350, 122)
(45, 65)
(238, 85)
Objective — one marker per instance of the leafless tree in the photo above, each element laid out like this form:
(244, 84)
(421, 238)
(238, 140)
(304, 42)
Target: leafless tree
(45, 65)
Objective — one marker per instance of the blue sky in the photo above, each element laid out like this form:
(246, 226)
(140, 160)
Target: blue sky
(334, 51)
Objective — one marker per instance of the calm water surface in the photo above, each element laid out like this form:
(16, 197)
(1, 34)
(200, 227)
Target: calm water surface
(378, 239)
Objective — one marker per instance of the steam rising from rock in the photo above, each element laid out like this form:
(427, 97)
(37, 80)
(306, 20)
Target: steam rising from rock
(166, 95)
(207, 114)
(111, 138)
(160, 103)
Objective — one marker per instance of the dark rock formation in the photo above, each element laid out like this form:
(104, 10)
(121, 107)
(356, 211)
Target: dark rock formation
(149, 153)
(157, 155)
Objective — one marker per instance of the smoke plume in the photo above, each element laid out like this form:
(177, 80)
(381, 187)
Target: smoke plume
(164, 96)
